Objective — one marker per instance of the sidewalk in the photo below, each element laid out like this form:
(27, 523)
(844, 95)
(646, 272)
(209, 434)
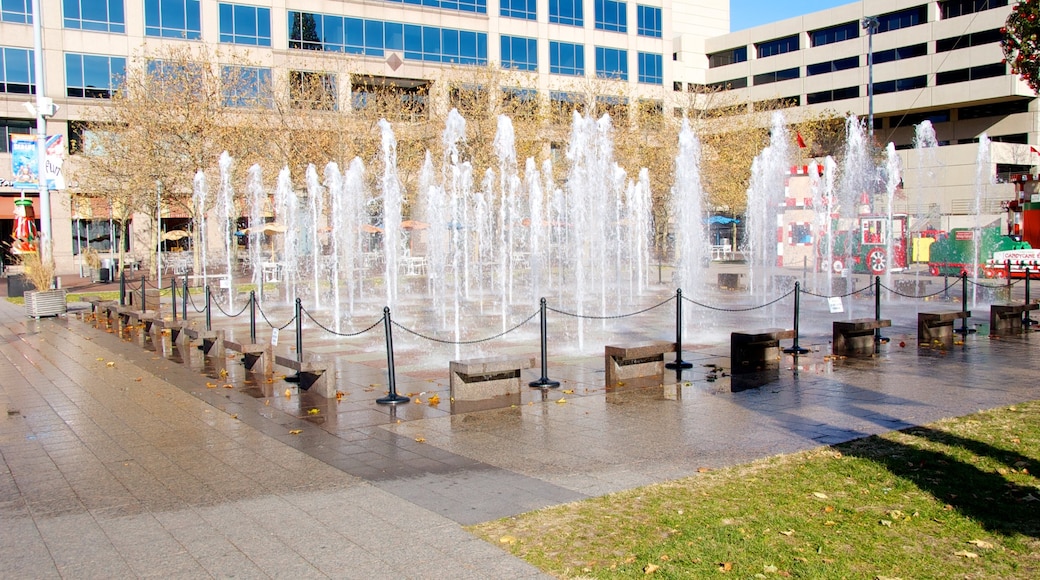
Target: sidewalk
(140, 468)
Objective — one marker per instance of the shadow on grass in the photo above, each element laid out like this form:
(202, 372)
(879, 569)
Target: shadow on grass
(988, 497)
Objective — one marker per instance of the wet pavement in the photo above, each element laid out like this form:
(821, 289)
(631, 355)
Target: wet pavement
(137, 461)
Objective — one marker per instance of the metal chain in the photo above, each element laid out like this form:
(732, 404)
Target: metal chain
(192, 302)
(329, 330)
(612, 317)
(716, 308)
(898, 293)
(487, 339)
(864, 289)
(264, 316)
(244, 306)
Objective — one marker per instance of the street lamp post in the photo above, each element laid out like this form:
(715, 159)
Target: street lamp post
(870, 24)
(44, 108)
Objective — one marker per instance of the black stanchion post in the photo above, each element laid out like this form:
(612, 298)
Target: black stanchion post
(878, 339)
(209, 312)
(544, 381)
(1026, 321)
(794, 348)
(679, 362)
(391, 398)
(946, 286)
(173, 296)
(964, 303)
(143, 285)
(252, 317)
(299, 330)
(184, 299)
(1007, 272)
(122, 288)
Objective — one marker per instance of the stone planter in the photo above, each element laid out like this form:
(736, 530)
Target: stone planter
(45, 303)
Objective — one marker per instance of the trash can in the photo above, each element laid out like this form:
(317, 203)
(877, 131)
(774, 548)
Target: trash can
(18, 285)
(107, 271)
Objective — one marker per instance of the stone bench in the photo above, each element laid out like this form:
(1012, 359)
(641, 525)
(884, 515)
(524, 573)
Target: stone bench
(484, 378)
(253, 354)
(1007, 318)
(936, 328)
(757, 350)
(729, 281)
(212, 340)
(639, 361)
(311, 374)
(856, 337)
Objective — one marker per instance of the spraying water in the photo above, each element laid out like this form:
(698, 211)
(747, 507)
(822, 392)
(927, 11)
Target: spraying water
(927, 148)
(340, 246)
(198, 197)
(390, 185)
(765, 194)
(687, 208)
(286, 205)
(983, 179)
(893, 177)
(225, 214)
(257, 198)
(317, 211)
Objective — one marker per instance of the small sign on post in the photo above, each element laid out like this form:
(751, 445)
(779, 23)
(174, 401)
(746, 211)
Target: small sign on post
(274, 337)
(835, 304)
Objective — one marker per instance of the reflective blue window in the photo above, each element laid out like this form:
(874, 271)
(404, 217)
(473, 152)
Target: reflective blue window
(611, 15)
(93, 75)
(648, 21)
(523, 9)
(611, 63)
(568, 12)
(241, 24)
(99, 15)
(16, 71)
(172, 19)
(308, 31)
(475, 6)
(566, 58)
(17, 11)
(247, 86)
(519, 53)
(651, 68)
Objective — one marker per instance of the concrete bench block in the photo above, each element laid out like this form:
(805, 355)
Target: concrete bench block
(1007, 318)
(856, 337)
(757, 351)
(936, 328)
(312, 374)
(642, 361)
(486, 378)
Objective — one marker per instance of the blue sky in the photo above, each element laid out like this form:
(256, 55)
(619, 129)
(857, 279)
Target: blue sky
(747, 13)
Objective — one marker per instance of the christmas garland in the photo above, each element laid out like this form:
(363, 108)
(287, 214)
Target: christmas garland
(1021, 33)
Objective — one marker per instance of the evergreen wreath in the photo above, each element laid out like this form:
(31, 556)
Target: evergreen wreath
(1021, 33)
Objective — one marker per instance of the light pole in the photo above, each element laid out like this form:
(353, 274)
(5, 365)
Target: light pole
(870, 24)
(44, 108)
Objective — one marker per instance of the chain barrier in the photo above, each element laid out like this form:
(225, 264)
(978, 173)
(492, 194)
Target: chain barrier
(749, 308)
(612, 317)
(279, 328)
(235, 315)
(984, 285)
(193, 307)
(898, 293)
(329, 330)
(846, 295)
(465, 342)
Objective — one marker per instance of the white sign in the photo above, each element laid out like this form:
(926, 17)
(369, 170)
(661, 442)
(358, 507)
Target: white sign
(274, 337)
(834, 302)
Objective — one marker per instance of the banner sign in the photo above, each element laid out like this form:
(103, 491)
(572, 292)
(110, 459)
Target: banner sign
(24, 165)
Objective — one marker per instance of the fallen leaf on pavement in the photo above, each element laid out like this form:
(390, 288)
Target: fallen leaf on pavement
(650, 568)
(966, 554)
(295, 431)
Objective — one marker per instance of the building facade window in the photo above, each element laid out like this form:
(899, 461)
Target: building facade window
(994, 109)
(967, 40)
(522, 9)
(611, 63)
(99, 15)
(17, 71)
(651, 68)
(907, 84)
(955, 8)
(737, 83)
(312, 90)
(16, 11)
(475, 6)
(611, 15)
(519, 53)
(831, 66)
(648, 21)
(726, 57)
(173, 19)
(974, 73)
(10, 127)
(832, 34)
(566, 58)
(569, 12)
(241, 24)
(246, 86)
(902, 18)
(777, 46)
(775, 76)
(833, 95)
(309, 31)
(93, 75)
(901, 53)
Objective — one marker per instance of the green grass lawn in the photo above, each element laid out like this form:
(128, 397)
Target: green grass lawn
(956, 499)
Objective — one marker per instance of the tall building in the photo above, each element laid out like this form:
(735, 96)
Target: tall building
(939, 61)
